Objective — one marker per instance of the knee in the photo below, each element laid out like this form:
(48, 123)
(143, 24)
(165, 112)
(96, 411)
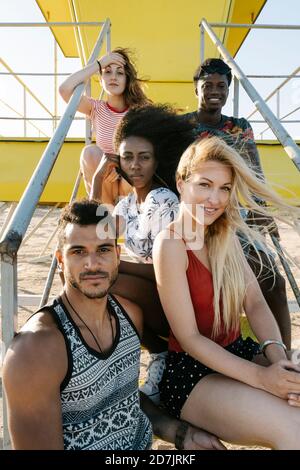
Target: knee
(90, 157)
(287, 436)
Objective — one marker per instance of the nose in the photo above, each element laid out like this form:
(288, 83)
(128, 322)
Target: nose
(135, 163)
(214, 196)
(92, 261)
(114, 75)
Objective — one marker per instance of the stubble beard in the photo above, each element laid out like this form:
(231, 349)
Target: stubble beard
(93, 295)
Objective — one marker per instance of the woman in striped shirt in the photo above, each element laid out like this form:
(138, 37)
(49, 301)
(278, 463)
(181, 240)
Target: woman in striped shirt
(120, 82)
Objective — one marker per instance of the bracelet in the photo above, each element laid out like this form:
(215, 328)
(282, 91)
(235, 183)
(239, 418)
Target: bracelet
(180, 435)
(267, 343)
(100, 68)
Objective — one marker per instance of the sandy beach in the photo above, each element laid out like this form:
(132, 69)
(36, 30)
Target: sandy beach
(32, 274)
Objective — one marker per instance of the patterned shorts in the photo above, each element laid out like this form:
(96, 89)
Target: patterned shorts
(183, 372)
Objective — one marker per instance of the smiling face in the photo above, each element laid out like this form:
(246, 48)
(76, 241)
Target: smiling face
(212, 92)
(207, 188)
(89, 264)
(113, 79)
(137, 161)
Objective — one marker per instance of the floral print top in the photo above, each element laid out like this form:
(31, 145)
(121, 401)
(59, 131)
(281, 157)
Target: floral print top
(144, 222)
(237, 132)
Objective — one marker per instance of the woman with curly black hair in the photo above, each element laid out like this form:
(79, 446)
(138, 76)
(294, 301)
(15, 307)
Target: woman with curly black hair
(150, 141)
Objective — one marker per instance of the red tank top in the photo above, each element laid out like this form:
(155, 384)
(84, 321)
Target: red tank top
(202, 294)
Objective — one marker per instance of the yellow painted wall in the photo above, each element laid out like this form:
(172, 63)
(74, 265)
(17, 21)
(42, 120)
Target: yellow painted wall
(18, 160)
(164, 34)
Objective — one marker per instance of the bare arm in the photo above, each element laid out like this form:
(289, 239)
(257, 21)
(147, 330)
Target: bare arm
(175, 298)
(67, 88)
(145, 271)
(32, 379)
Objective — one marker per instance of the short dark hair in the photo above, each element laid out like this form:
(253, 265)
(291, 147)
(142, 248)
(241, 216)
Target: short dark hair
(169, 133)
(84, 212)
(210, 66)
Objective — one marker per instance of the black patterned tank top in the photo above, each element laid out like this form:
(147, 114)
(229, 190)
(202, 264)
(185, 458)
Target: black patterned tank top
(99, 395)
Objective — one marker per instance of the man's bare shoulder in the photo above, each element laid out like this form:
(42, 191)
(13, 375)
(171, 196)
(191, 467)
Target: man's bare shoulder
(39, 348)
(134, 311)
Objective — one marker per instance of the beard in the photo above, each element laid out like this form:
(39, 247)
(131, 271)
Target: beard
(95, 294)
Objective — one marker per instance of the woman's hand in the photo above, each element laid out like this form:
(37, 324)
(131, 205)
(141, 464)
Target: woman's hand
(112, 58)
(107, 168)
(197, 439)
(283, 380)
(107, 172)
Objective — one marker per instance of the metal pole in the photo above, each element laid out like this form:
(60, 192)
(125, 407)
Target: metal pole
(278, 104)
(108, 41)
(282, 135)
(286, 268)
(8, 217)
(25, 240)
(254, 26)
(202, 44)
(281, 85)
(24, 111)
(49, 241)
(49, 24)
(9, 321)
(55, 86)
(25, 86)
(88, 126)
(236, 97)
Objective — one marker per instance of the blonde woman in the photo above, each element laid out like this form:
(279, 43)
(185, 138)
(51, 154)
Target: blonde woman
(215, 379)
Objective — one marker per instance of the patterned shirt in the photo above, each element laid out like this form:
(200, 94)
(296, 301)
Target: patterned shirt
(99, 395)
(104, 120)
(143, 223)
(236, 132)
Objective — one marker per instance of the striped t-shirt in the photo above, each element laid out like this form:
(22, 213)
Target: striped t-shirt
(104, 121)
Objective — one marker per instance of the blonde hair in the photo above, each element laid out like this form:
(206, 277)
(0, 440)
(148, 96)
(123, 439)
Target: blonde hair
(224, 249)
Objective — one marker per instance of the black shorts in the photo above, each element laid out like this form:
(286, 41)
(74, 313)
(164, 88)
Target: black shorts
(183, 372)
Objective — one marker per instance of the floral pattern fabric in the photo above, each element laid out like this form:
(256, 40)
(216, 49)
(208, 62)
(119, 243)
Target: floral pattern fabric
(144, 222)
(236, 132)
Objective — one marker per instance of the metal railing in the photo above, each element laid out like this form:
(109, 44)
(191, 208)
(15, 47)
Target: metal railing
(275, 125)
(15, 230)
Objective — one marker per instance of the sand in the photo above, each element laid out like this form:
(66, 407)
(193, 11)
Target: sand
(32, 275)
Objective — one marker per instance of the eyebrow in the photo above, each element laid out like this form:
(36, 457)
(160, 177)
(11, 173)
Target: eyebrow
(76, 247)
(139, 153)
(203, 177)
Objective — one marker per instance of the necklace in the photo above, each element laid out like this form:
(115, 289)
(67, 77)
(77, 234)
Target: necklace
(95, 339)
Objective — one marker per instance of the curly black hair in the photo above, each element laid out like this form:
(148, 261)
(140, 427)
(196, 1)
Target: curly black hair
(210, 66)
(169, 133)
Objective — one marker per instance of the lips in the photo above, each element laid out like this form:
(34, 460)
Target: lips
(210, 210)
(93, 276)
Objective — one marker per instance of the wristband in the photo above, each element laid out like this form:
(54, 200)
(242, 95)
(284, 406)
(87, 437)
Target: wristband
(267, 343)
(180, 435)
(100, 68)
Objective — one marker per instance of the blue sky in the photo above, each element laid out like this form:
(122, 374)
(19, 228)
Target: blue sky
(263, 52)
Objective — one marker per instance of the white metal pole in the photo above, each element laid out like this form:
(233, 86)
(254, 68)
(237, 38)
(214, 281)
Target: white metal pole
(236, 97)
(9, 307)
(282, 135)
